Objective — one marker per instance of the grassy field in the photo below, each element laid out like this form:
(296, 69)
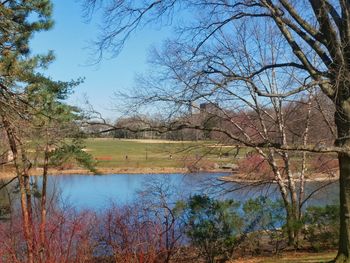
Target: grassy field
(156, 153)
(298, 257)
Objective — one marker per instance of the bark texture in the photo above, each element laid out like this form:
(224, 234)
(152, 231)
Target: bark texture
(342, 118)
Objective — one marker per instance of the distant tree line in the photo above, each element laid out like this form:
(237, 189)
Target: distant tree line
(321, 128)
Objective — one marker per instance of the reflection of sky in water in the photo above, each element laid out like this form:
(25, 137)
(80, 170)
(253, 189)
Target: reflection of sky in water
(98, 192)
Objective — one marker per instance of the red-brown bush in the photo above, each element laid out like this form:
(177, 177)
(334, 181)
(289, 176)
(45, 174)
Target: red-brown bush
(69, 238)
(255, 167)
(324, 164)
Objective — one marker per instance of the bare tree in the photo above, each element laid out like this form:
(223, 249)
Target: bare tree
(263, 123)
(159, 200)
(315, 36)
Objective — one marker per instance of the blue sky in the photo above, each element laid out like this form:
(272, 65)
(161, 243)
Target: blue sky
(70, 39)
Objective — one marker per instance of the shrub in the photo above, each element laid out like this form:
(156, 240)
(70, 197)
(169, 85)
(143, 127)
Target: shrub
(322, 226)
(255, 167)
(324, 164)
(264, 218)
(196, 165)
(126, 236)
(212, 226)
(69, 238)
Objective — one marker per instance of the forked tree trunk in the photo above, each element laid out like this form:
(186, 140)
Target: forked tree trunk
(287, 198)
(289, 213)
(292, 217)
(342, 120)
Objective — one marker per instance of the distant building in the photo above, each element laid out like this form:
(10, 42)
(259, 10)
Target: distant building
(193, 108)
(6, 157)
(209, 107)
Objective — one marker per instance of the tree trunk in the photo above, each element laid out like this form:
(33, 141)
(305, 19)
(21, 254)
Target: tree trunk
(293, 215)
(285, 194)
(28, 193)
(28, 235)
(43, 208)
(289, 214)
(27, 230)
(290, 232)
(342, 120)
(344, 184)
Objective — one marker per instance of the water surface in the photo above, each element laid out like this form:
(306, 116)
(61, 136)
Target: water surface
(99, 191)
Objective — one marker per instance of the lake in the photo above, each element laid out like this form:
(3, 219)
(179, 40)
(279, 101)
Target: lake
(99, 191)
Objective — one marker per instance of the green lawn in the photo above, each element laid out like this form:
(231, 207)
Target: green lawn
(119, 153)
(134, 153)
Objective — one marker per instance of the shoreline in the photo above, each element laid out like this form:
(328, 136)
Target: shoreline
(238, 179)
(234, 177)
(105, 171)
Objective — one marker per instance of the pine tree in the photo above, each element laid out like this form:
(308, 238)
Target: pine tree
(33, 114)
